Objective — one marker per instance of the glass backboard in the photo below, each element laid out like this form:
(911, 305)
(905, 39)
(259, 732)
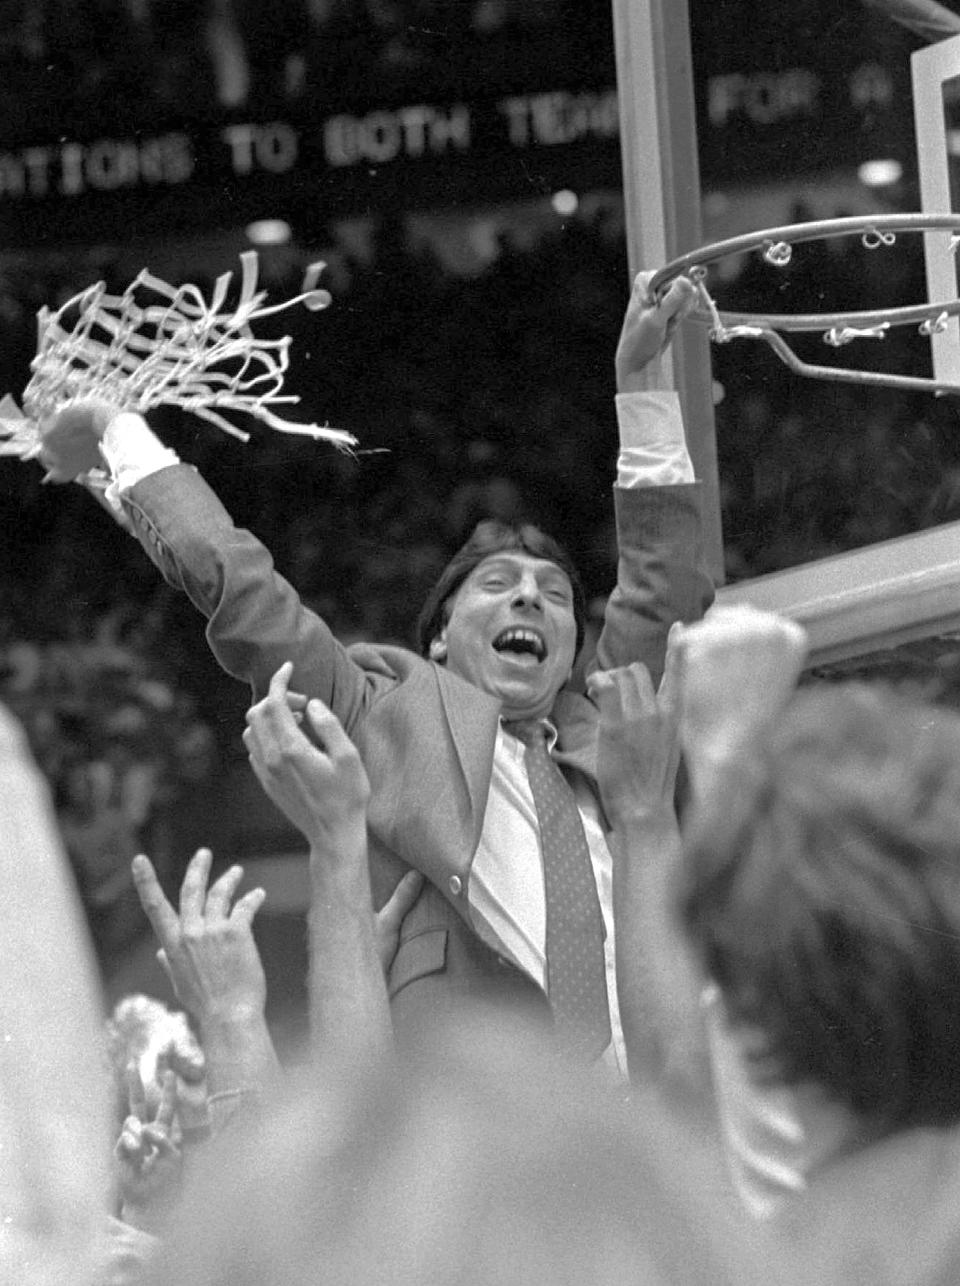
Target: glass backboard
(936, 105)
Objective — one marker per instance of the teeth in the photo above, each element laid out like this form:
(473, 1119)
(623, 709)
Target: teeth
(529, 639)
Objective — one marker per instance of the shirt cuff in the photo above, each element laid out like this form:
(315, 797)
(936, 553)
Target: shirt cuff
(653, 448)
(132, 451)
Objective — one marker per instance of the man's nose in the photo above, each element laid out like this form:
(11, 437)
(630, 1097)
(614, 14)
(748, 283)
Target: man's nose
(528, 593)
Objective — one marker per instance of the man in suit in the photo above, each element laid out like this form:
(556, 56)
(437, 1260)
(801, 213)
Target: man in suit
(449, 791)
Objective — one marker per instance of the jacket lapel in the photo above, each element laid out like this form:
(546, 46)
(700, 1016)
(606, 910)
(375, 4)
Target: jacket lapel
(472, 717)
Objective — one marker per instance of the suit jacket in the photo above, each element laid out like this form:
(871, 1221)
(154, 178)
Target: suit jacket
(426, 736)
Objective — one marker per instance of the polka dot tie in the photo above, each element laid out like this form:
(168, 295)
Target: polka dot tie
(576, 974)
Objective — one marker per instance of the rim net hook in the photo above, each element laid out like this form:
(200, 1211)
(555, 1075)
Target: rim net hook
(778, 253)
(873, 239)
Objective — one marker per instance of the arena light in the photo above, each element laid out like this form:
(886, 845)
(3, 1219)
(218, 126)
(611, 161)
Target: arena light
(565, 202)
(268, 232)
(880, 173)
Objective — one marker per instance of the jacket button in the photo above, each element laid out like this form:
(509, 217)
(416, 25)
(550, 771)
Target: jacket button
(456, 884)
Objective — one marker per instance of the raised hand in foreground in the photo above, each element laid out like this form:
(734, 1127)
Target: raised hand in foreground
(311, 770)
(149, 1162)
(208, 951)
(658, 981)
(740, 668)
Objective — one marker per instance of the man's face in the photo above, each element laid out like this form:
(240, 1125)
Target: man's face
(511, 631)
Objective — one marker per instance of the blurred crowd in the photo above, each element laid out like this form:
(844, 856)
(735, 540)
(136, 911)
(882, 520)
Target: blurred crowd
(136, 62)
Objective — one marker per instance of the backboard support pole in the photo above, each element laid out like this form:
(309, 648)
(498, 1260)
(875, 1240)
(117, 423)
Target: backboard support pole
(661, 192)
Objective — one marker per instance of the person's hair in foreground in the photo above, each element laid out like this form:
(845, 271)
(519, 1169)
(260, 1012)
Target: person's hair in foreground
(488, 538)
(487, 1161)
(822, 892)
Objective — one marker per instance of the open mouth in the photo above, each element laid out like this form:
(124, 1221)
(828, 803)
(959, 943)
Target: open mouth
(521, 641)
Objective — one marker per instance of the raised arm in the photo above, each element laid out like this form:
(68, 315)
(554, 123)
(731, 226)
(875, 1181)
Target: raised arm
(661, 576)
(658, 979)
(312, 772)
(208, 951)
(740, 668)
(255, 618)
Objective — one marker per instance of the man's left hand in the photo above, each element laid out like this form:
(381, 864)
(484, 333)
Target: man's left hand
(648, 327)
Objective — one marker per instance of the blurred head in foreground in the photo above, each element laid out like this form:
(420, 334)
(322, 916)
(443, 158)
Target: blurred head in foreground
(822, 892)
(484, 1162)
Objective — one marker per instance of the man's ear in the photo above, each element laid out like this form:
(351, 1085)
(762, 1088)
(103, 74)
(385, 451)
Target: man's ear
(438, 647)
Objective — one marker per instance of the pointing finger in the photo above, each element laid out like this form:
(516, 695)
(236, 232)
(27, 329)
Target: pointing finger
(280, 681)
(158, 910)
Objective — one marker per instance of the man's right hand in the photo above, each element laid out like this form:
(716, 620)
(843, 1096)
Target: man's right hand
(71, 440)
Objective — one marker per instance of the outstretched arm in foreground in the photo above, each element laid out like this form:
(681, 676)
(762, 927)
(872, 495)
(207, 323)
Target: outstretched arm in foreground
(255, 619)
(313, 773)
(658, 980)
(55, 1179)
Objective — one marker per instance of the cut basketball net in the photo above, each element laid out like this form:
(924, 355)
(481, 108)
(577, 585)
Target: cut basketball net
(161, 345)
(925, 18)
(776, 245)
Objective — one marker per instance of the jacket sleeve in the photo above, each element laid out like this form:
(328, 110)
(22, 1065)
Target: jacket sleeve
(661, 576)
(255, 618)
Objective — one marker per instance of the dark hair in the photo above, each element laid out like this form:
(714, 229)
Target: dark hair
(822, 891)
(492, 537)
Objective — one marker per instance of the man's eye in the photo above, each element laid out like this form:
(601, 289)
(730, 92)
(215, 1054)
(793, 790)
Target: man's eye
(494, 582)
(558, 595)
